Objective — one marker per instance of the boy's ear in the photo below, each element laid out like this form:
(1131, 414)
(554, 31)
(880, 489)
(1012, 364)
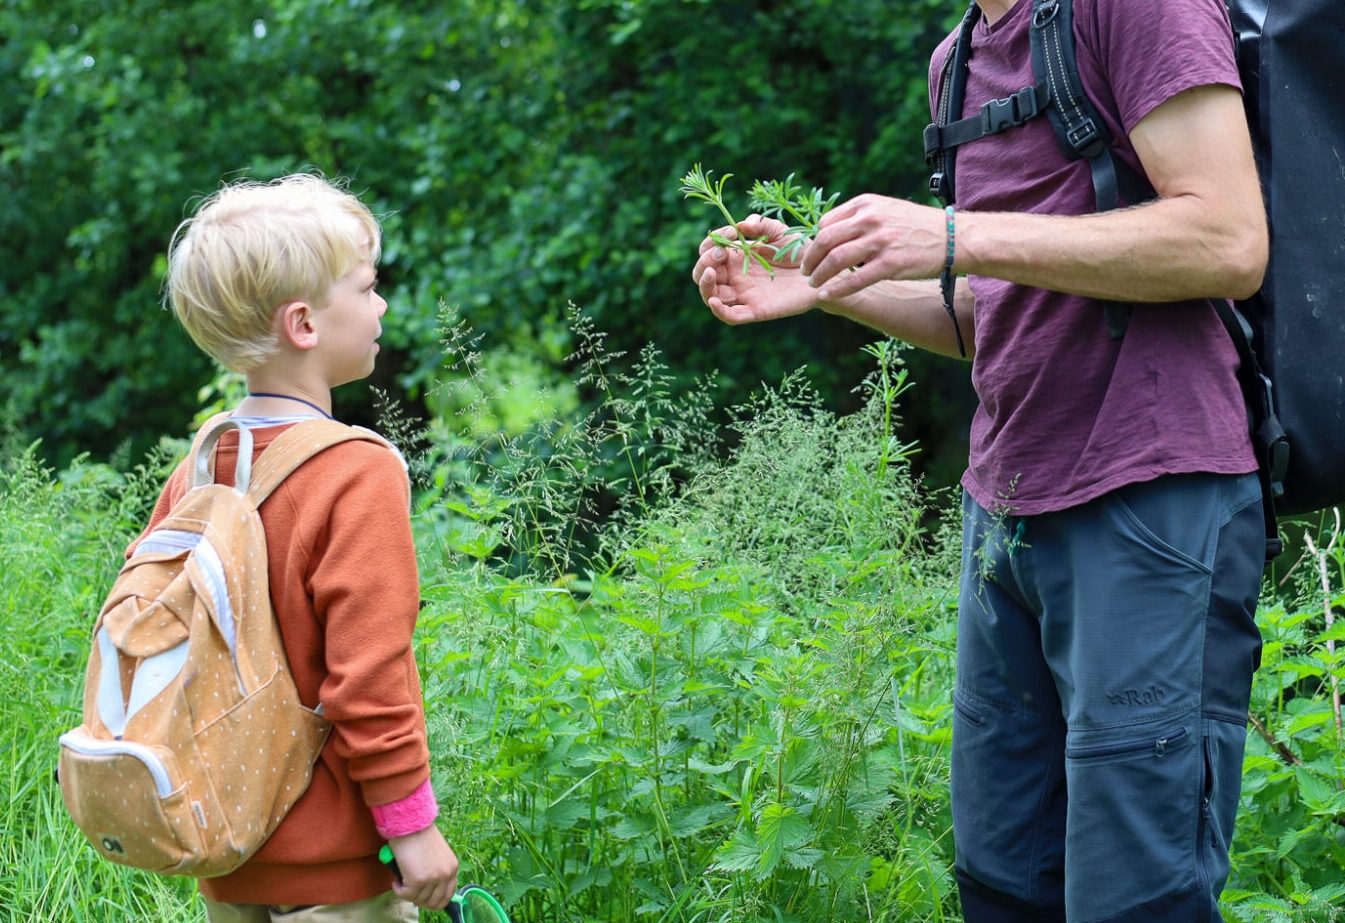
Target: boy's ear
(294, 324)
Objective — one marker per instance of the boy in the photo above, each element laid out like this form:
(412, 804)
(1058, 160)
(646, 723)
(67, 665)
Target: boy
(277, 281)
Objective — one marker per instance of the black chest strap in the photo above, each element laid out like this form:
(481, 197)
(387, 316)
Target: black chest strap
(1058, 92)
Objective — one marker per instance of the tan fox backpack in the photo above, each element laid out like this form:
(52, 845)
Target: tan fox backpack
(194, 743)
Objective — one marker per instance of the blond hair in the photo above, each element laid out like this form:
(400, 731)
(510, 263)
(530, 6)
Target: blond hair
(252, 247)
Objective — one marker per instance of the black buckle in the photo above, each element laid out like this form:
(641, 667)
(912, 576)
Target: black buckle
(938, 186)
(1085, 138)
(1001, 114)
(1045, 12)
(933, 137)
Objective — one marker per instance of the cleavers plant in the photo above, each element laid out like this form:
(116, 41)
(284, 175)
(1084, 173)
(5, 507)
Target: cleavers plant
(772, 198)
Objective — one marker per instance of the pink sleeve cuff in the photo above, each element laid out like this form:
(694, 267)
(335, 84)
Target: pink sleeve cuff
(412, 814)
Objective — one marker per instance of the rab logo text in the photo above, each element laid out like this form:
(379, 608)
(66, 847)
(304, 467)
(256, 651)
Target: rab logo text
(1132, 698)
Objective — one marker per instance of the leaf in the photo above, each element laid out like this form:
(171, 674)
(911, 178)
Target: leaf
(781, 830)
(642, 624)
(1328, 894)
(566, 814)
(804, 858)
(1321, 796)
(633, 826)
(740, 854)
(1293, 839)
(699, 724)
(690, 821)
(714, 769)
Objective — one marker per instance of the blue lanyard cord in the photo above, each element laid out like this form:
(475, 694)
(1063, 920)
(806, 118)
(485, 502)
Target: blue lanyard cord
(286, 397)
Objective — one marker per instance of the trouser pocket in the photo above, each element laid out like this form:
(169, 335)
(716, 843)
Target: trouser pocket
(1008, 792)
(1136, 812)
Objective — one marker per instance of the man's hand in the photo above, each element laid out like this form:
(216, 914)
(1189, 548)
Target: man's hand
(740, 297)
(429, 868)
(877, 238)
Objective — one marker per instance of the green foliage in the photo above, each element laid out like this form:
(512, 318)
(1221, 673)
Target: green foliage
(725, 699)
(521, 154)
(735, 709)
(1291, 841)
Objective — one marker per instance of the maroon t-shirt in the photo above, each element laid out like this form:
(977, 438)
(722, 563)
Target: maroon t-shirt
(1068, 413)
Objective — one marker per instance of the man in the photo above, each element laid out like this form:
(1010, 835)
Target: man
(1113, 530)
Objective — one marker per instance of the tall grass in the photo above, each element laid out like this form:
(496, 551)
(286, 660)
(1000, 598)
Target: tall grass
(727, 704)
(675, 671)
(60, 543)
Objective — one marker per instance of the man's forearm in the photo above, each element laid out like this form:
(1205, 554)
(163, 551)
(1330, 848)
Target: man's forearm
(1168, 250)
(912, 312)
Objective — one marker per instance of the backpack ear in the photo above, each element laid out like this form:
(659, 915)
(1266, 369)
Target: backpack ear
(150, 618)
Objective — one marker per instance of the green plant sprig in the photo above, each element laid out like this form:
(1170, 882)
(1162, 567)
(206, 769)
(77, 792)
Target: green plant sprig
(784, 200)
(697, 185)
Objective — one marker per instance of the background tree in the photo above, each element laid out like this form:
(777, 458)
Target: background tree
(525, 155)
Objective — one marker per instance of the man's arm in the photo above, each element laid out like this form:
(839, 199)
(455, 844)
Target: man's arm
(1204, 236)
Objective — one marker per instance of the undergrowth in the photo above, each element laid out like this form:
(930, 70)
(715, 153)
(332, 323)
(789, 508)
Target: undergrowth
(725, 701)
(673, 670)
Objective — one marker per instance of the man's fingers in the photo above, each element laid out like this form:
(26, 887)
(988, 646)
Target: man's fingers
(843, 211)
(752, 226)
(831, 235)
(709, 243)
(847, 283)
(707, 282)
(831, 263)
(733, 315)
(713, 295)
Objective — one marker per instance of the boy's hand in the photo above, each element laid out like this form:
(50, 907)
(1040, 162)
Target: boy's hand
(429, 868)
(738, 297)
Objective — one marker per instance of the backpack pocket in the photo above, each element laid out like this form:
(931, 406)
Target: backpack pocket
(260, 755)
(130, 802)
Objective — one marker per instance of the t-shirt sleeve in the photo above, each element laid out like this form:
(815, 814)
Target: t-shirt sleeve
(1153, 50)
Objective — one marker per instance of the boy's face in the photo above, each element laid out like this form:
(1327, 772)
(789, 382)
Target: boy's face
(348, 326)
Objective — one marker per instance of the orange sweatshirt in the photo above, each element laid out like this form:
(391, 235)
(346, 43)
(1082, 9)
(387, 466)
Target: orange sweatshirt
(346, 593)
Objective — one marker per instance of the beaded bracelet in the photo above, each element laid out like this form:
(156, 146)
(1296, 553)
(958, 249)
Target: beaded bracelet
(948, 261)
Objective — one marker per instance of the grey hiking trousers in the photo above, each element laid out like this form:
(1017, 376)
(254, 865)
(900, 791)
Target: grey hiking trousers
(1105, 659)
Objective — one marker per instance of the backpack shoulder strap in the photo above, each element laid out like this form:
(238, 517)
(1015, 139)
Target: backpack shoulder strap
(1058, 92)
(202, 458)
(942, 137)
(297, 445)
(203, 445)
(1079, 128)
(1269, 439)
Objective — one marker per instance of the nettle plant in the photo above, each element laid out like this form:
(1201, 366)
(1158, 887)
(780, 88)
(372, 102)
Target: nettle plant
(783, 200)
(731, 706)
